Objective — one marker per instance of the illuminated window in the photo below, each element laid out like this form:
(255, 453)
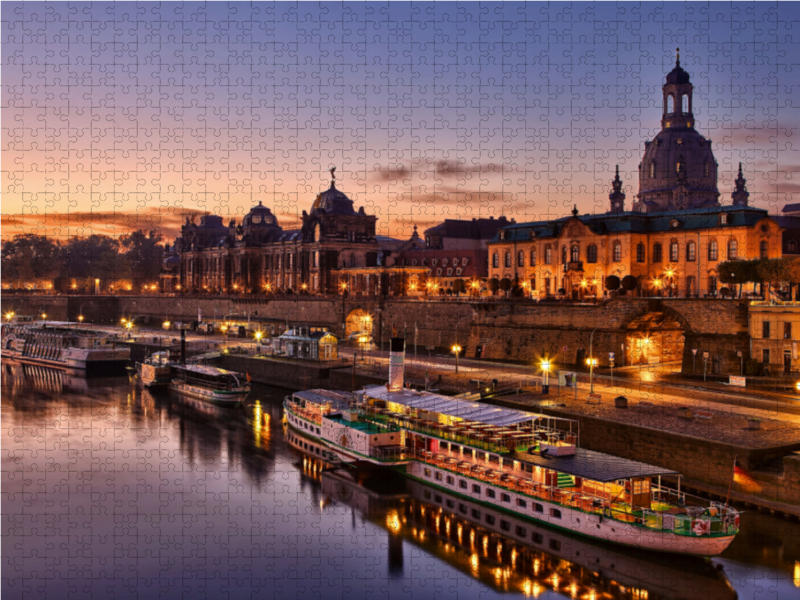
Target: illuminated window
(617, 252)
(713, 250)
(691, 251)
(591, 254)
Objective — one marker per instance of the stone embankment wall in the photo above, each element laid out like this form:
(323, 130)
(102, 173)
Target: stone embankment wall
(518, 331)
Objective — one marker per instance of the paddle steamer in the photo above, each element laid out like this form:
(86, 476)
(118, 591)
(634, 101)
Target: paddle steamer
(527, 464)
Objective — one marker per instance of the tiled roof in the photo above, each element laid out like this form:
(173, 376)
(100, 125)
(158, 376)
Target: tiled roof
(635, 222)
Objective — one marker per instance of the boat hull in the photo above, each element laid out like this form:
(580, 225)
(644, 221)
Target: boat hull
(218, 397)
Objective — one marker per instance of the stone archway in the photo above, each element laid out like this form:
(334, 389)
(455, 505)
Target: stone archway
(359, 323)
(655, 337)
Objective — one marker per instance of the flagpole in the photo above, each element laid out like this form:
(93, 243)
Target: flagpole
(730, 485)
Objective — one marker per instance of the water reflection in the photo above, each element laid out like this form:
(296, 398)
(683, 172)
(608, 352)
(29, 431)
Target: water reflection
(109, 490)
(503, 552)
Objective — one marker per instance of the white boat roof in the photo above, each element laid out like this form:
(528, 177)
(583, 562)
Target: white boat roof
(463, 409)
(207, 370)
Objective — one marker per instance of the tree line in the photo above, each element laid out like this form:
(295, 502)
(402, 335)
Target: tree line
(763, 272)
(134, 257)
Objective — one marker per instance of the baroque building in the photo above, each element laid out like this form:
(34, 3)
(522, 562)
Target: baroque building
(260, 256)
(670, 242)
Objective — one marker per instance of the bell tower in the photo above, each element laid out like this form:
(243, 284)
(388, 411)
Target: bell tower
(677, 93)
(617, 196)
(740, 194)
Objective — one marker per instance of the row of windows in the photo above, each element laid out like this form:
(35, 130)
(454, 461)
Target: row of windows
(616, 253)
(766, 330)
(679, 167)
(490, 493)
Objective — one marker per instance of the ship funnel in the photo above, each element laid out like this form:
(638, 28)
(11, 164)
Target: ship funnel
(397, 357)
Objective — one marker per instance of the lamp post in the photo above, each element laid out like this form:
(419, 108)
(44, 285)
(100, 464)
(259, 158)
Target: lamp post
(456, 350)
(592, 363)
(258, 336)
(546, 370)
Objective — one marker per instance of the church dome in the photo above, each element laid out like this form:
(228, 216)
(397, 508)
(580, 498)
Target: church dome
(678, 169)
(332, 201)
(259, 216)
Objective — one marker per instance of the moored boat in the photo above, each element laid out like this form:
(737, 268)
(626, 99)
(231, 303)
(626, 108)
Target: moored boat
(528, 464)
(65, 346)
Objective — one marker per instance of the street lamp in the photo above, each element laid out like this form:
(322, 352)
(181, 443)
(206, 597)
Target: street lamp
(591, 363)
(456, 350)
(129, 326)
(10, 315)
(166, 324)
(545, 365)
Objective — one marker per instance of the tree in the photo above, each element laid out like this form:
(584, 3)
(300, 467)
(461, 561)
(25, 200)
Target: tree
(494, 285)
(612, 283)
(143, 254)
(30, 256)
(629, 283)
(459, 286)
(505, 285)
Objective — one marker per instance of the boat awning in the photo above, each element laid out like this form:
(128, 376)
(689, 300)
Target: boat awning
(596, 466)
(462, 409)
(338, 400)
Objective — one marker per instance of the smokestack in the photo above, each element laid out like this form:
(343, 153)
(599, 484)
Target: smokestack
(183, 346)
(397, 357)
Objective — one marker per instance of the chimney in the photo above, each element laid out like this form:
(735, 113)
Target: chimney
(183, 346)
(397, 357)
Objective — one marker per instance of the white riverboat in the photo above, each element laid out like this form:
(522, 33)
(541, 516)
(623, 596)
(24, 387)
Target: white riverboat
(65, 346)
(205, 382)
(528, 464)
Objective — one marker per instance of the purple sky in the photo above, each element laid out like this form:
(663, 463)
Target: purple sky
(119, 116)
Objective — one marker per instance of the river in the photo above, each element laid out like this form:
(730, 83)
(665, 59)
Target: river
(109, 490)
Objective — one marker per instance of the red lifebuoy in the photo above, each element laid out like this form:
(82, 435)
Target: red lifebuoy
(700, 527)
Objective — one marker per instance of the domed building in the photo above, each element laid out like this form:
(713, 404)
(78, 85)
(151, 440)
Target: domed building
(678, 170)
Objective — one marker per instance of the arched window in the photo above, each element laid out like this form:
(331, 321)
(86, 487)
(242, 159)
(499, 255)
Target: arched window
(548, 255)
(670, 103)
(733, 250)
(792, 246)
(684, 103)
(495, 260)
(617, 252)
(352, 259)
(575, 254)
(657, 252)
(706, 169)
(591, 254)
(652, 170)
(691, 251)
(533, 258)
(507, 259)
(690, 291)
(674, 255)
(521, 258)
(563, 255)
(679, 167)
(640, 252)
(763, 250)
(713, 250)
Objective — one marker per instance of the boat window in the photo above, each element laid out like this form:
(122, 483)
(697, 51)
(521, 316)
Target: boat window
(462, 508)
(462, 484)
(505, 525)
(537, 538)
(521, 531)
(490, 492)
(494, 459)
(505, 498)
(437, 498)
(427, 472)
(538, 507)
(476, 489)
(490, 519)
(450, 480)
(449, 503)
(522, 503)
(555, 544)
(427, 494)
(438, 476)
(476, 514)
(555, 513)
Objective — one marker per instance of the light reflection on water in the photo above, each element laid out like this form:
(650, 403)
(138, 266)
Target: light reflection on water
(109, 490)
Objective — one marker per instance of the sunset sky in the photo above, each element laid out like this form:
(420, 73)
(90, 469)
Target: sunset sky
(134, 115)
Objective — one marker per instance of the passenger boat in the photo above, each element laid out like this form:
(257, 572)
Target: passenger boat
(528, 464)
(205, 382)
(65, 346)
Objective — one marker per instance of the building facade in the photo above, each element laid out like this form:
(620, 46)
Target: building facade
(259, 256)
(669, 244)
(775, 336)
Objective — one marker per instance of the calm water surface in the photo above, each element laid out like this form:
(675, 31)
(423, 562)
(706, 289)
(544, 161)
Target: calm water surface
(109, 491)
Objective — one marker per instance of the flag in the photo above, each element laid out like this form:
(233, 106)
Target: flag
(249, 379)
